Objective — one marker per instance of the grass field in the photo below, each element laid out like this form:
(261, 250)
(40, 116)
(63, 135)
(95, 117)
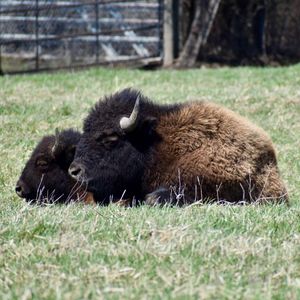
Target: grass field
(207, 252)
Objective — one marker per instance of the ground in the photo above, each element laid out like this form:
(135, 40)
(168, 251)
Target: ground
(207, 252)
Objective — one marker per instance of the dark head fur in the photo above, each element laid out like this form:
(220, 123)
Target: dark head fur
(113, 161)
(45, 176)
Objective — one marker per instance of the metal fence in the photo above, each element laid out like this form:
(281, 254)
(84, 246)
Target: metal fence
(50, 34)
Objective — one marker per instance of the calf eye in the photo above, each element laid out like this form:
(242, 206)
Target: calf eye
(42, 163)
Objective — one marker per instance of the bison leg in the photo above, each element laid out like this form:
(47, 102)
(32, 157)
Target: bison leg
(159, 197)
(163, 196)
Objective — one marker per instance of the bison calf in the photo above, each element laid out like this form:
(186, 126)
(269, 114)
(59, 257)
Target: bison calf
(45, 177)
(131, 147)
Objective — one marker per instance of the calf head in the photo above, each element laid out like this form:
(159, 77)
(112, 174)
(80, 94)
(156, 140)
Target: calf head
(45, 177)
(112, 153)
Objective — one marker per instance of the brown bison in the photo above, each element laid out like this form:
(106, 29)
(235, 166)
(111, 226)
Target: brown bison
(45, 177)
(178, 153)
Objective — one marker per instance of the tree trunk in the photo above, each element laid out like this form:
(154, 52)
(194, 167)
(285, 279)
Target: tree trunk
(206, 11)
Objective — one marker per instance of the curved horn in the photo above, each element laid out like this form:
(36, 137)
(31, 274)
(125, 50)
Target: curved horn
(56, 144)
(128, 124)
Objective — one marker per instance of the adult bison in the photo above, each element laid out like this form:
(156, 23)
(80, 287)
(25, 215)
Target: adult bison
(178, 153)
(45, 177)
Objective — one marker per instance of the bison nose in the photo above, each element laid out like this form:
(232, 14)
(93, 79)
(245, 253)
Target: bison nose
(21, 189)
(76, 170)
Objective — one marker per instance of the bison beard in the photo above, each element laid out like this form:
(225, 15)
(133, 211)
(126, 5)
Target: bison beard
(131, 147)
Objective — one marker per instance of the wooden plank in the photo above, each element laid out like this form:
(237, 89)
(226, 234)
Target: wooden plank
(151, 60)
(75, 4)
(30, 56)
(13, 38)
(115, 4)
(76, 20)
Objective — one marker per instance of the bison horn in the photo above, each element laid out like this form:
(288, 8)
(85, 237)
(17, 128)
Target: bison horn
(128, 124)
(56, 144)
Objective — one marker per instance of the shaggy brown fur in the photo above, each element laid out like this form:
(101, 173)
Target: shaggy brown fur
(212, 152)
(174, 154)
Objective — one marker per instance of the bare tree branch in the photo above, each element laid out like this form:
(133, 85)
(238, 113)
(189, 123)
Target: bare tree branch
(206, 11)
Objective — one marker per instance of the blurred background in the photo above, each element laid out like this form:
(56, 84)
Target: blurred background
(40, 35)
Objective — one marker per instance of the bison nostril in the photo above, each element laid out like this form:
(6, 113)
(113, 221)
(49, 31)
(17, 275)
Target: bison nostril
(76, 171)
(22, 189)
(19, 191)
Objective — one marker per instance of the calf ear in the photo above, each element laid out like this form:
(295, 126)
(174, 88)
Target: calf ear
(63, 151)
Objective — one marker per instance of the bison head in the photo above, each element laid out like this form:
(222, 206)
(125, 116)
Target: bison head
(45, 177)
(114, 149)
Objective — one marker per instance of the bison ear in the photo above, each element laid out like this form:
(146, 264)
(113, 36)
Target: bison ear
(63, 151)
(148, 126)
(145, 134)
(146, 129)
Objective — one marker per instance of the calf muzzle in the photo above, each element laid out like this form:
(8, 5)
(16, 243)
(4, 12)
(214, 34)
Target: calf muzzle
(21, 189)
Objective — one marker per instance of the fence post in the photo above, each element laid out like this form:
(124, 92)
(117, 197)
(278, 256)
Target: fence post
(168, 33)
(1, 71)
(37, 35)
(176, 24)
(97, 32)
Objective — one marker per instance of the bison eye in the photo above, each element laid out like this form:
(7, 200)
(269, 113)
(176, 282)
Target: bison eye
(42, 163)
(107, 139)
(110, 139)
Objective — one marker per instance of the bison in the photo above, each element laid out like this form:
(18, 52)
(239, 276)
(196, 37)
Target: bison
(45, 177)
(174, 154)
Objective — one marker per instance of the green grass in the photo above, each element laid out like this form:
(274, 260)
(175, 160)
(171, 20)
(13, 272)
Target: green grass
(207, 252)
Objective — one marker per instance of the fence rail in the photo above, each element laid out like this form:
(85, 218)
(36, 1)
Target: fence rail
(59, 5)
(64, 34)
(63, 19)
(9, 38)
